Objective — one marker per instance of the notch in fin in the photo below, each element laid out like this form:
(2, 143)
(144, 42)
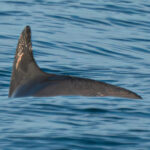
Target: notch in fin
(24, 66)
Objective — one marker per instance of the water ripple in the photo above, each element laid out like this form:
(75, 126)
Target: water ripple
(103, 40)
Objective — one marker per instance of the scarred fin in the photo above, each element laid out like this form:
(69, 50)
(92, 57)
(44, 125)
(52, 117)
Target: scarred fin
(24, 66)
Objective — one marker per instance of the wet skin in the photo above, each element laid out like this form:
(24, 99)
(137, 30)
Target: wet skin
(29, 80)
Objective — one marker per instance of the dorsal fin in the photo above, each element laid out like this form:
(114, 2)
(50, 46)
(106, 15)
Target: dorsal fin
(24, 66)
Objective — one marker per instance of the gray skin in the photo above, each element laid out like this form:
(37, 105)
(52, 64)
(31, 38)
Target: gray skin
(28, 80)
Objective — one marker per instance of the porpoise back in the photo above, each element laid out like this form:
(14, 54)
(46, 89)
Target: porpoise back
(29, 80)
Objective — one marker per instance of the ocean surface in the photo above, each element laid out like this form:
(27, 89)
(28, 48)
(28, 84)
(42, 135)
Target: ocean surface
(98, 39)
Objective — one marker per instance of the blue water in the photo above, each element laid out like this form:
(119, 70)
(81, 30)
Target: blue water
(102, 40)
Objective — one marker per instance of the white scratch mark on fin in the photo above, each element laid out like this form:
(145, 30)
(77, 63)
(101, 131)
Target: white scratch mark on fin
(19, 59)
